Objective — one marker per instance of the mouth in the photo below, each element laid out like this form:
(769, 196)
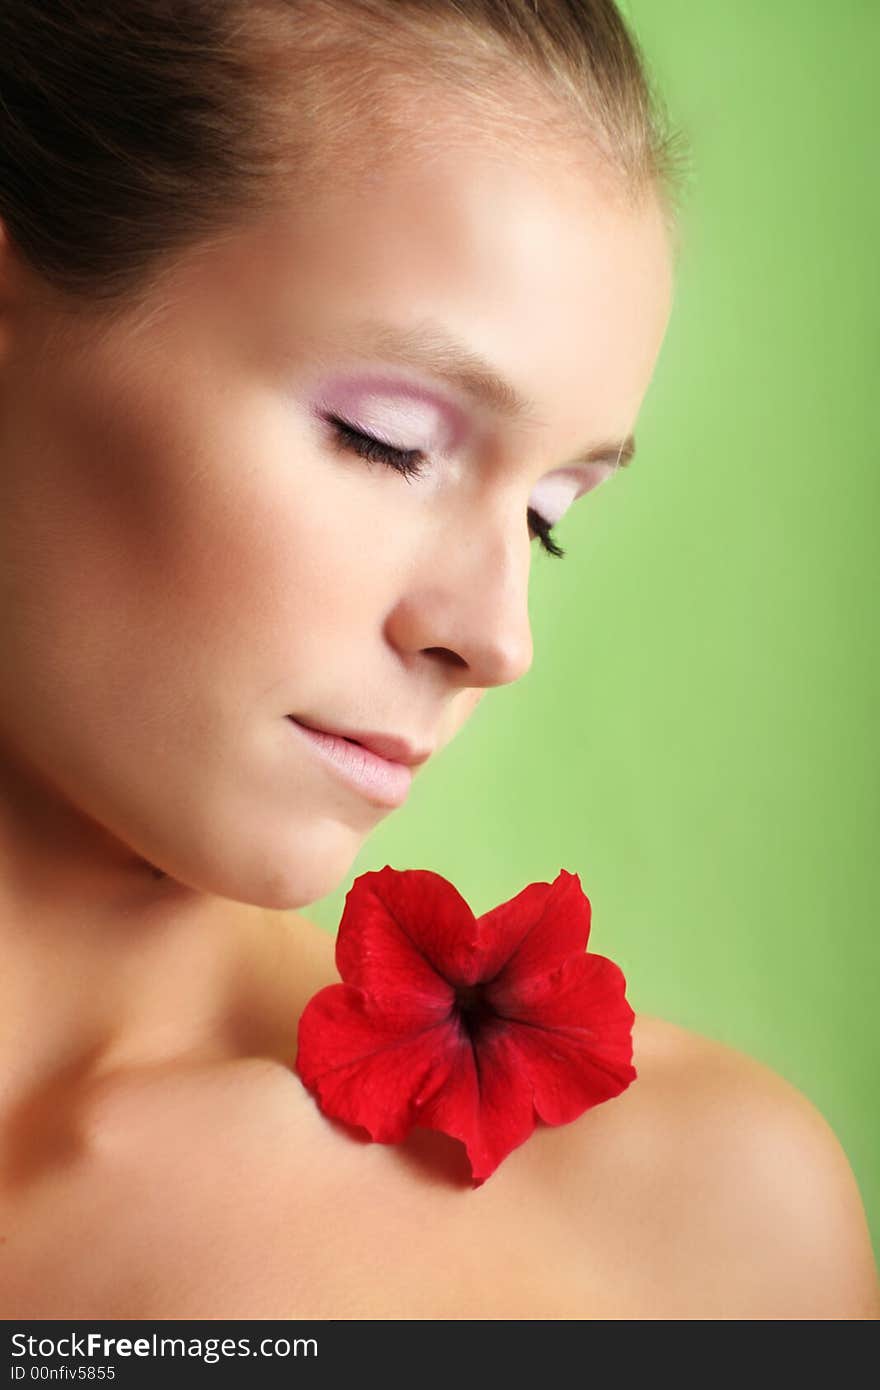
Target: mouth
(383, 780)
(390, 747)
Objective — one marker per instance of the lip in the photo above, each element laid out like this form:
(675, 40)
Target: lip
(384, 780)
(387, 746)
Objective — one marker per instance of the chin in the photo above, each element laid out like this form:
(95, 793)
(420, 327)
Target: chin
(311, 864)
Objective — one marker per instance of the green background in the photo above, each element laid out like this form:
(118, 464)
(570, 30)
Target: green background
(697, 734)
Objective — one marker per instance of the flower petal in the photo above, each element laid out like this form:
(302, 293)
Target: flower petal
(406, 931)
(535, 930)
(568, 1049)
(586, 993)
(366, 1064)
(573, 1031)
(485, 1101)
(566, 1078)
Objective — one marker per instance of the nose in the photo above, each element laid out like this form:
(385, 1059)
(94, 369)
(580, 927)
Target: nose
(466, 603)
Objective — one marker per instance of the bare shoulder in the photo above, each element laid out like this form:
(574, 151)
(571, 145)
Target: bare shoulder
(710, 1188)
(752, 1191)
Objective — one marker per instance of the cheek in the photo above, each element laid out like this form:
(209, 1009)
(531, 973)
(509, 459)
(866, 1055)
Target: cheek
(148, 541)
(180, 547)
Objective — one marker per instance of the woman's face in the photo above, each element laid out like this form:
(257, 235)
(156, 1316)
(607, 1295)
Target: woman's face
(191, 553)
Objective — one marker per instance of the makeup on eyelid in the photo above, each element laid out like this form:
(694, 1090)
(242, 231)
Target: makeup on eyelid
(554, 494)
(401, 413)
(406, 415)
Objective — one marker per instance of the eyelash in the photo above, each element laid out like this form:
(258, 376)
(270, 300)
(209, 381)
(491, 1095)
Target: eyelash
(411, 462)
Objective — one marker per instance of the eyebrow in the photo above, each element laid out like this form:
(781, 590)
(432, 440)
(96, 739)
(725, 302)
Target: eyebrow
(429, 347)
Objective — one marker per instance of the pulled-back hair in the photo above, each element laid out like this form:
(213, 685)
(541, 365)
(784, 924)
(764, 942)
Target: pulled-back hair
(130, 132)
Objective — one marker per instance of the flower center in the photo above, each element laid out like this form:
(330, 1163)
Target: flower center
(472, 1006)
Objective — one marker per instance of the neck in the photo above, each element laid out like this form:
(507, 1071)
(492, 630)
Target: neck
(109, 966)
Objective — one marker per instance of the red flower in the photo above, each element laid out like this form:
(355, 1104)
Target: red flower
(473, 1026)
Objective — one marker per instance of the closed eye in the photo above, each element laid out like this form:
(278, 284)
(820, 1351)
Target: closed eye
(411, 463)
(544, 533)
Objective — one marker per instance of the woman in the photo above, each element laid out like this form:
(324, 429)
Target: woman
(241, 243)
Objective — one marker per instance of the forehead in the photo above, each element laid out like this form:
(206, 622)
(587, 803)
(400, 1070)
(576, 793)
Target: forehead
(527, 257)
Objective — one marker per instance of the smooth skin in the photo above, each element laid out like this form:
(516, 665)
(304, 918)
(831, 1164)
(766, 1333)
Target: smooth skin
(186, 559)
